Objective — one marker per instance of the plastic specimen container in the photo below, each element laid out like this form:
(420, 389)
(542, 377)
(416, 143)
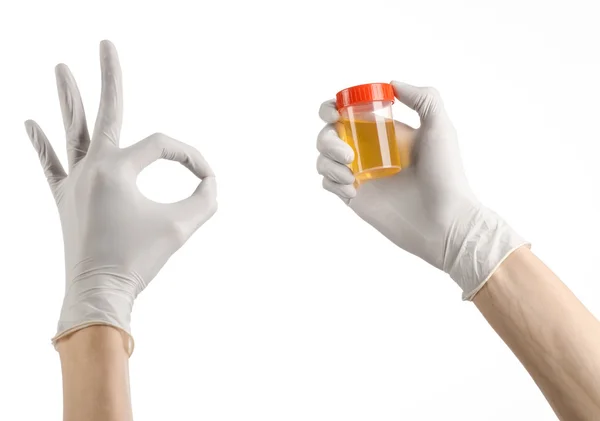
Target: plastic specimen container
(367, 125)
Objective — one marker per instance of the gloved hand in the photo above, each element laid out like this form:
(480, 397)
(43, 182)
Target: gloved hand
(115, 239)
(428, 209)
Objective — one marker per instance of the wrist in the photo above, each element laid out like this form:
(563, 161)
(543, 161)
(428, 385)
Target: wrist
(93, 340)
(98, 299)
(481, 241)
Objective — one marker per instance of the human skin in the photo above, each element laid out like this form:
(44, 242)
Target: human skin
(429, 210)
(549, 330)
(115, 239)
(95, 372)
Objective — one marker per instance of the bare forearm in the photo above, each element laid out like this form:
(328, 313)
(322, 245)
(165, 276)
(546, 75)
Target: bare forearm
(95, 375)
(554, 336)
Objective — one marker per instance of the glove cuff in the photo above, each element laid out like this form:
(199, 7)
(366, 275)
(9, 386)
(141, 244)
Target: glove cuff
(485, 240)
(97, 300)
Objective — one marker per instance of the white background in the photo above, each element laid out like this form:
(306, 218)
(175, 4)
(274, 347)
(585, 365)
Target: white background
(286, 306)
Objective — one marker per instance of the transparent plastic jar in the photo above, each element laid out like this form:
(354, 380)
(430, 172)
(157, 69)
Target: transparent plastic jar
(367, 125)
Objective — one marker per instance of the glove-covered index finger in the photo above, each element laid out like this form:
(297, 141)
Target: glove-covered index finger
(193, 211)
(328, 112)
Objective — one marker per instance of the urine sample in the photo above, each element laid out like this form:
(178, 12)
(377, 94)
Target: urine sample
(367, 125)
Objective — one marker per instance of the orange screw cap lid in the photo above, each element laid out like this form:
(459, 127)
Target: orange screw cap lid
(369, 92)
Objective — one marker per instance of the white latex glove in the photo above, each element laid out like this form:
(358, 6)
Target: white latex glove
(115, 239)
(428, 208)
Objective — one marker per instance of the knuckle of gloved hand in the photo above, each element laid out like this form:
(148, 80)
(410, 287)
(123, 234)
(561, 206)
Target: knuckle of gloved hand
(323, 108)
(178, 232)
(321, 138)
(327, 111)
(327, 169)
(333, 175)
(326, 136)
(342, 191)
(321, 164)
(432, 100)
(159, 145)
(431, 92)
(348, 156)
(213, 206)
(341, 154)
(157, 140)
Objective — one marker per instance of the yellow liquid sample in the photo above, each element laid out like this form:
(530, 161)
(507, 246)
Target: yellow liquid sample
(376, 153)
